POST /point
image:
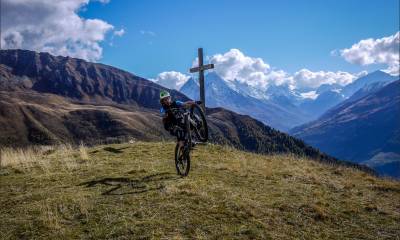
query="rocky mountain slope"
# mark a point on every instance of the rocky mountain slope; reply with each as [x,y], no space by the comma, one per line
[76,79]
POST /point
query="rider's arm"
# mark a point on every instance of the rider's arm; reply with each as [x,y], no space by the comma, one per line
[164,115]
[186,104]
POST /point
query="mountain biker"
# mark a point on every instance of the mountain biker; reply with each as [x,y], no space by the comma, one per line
[172,120]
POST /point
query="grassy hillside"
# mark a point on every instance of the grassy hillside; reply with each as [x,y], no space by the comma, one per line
[31,118]
[131,191]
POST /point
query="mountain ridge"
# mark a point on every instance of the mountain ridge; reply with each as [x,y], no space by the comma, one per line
[370,125]
[78,79]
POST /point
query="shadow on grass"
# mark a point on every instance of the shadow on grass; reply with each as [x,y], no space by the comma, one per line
[114,150]
[126,185]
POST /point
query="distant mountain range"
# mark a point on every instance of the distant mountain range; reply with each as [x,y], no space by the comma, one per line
[364,128]
[219,93]
[46,99]
[331,95]
[321,117]
[279,106]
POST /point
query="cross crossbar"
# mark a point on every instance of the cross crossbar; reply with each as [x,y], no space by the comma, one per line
[203,68]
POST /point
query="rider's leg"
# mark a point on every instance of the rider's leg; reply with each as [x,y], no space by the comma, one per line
[181,143]
[180,135]
[181,138]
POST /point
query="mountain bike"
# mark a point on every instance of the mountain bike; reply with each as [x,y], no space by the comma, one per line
[195,125]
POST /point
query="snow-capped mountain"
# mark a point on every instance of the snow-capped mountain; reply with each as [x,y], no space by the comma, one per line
[247,90]
[328,96]
[328,87]
[221,93]
[281,106]
[377,76]
[323,101]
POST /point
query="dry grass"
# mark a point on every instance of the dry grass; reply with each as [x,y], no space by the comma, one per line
[25,160]
[83,152]
[46,159]
[131,191]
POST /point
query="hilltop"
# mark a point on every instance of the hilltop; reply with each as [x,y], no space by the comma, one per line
[47,100]
[130,191]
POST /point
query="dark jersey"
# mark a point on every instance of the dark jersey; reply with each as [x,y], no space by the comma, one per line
[174,104]
[169,117]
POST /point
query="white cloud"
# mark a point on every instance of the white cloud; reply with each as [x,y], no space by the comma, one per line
[52,26]
[308,79]
[311,95]
[119,33]
[149,33]
[257,73]
[172,79]
[375,51]
[234,65]
[103,1]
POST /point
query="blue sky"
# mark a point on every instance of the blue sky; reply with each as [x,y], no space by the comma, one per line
[290,35]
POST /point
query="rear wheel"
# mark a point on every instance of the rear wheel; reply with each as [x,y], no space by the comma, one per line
[200,123]
[182,160]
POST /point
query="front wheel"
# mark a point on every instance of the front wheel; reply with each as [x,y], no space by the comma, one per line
[182,160]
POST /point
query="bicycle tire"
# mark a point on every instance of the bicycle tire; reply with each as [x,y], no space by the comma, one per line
[186,155]
[202,137]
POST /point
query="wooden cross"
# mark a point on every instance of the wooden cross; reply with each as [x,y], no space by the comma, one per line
[201,68]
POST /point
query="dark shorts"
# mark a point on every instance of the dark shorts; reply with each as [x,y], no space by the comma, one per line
[178,132]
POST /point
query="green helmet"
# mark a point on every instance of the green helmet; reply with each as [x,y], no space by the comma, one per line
[164,94]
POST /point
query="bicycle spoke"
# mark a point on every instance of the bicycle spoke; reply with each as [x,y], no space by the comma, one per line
[182,162]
